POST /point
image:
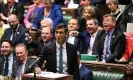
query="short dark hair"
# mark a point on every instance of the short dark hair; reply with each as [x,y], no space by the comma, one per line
[61,26]
[5,40]
[109,15]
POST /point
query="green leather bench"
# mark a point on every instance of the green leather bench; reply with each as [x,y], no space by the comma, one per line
[68,13]
[105,71]
[66,18]
[89,57]
[103,75]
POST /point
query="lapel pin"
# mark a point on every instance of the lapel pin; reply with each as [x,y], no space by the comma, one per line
[113,36]
[17,32]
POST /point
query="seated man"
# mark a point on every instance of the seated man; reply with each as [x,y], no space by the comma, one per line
[45,37]
[16,32]
[84,72]
[7,59]
[22,62]
[88,36]
[73,26]
[111,44]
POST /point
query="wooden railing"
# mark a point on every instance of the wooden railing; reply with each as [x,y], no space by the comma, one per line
[109,67]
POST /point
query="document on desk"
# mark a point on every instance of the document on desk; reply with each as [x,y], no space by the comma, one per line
[49,75]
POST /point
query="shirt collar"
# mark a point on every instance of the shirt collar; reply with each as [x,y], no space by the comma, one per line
[116,12]
[10,56]
[58,45]
[95,34]
[111,32]
[80,65]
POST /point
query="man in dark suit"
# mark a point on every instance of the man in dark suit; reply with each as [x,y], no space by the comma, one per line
[73,26]
[23,63]
[46,37]
[84,72]
[61,56]
[16,32]
[111,43]
[12,8]
[88,36]
[7,58]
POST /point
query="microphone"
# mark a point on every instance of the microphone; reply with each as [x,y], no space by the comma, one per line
[37,60]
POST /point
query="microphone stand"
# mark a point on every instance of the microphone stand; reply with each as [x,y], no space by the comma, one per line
[34,72]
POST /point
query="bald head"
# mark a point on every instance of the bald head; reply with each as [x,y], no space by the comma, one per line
[12,16]
[13,21]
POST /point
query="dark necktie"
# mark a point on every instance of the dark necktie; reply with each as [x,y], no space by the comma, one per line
[61,60]
[6,67]
[13,35]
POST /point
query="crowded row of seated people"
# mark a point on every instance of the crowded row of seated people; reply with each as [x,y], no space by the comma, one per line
[90,34]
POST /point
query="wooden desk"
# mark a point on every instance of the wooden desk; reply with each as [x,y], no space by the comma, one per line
[110,67]
[70,11]
[34,35]
[27,77]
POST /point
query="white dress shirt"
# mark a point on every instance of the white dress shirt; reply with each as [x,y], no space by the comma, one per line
[64,57]
[92,40]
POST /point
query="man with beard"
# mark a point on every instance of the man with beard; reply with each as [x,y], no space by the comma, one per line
[7,58]
[16,32]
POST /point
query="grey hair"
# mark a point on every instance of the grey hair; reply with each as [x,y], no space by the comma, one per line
[21,45]
[116,2]
[49,20]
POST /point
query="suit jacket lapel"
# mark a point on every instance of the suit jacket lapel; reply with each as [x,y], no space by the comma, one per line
[9,35]
[102,41]
[68,55]
[75,41]
[112,40]
[54,56]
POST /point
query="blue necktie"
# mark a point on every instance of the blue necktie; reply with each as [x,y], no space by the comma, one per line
[6,67]
[61,60]
[108,46]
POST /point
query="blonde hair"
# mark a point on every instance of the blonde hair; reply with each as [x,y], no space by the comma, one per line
[90,10]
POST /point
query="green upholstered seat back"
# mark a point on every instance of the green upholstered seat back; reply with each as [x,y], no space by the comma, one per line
[102,75]
[88,57]
[66,18]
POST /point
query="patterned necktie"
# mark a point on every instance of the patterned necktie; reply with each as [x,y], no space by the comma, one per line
[106,46]
[61,60]
[6,67]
